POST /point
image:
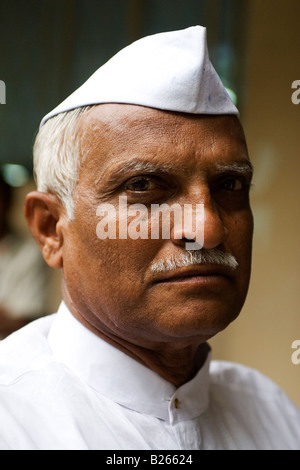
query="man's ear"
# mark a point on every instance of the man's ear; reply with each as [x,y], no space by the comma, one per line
[45,217]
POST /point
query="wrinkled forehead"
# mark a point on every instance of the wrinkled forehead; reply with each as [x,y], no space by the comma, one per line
[115,131]
[117,119]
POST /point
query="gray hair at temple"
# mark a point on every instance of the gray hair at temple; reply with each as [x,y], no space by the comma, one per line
[57,157]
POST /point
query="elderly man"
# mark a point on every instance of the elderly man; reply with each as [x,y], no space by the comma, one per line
[125,363]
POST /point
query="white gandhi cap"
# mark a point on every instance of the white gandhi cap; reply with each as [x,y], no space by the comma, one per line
[169,71]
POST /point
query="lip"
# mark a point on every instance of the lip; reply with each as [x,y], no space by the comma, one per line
[204,274]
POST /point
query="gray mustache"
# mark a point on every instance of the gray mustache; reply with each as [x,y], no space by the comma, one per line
[190,258]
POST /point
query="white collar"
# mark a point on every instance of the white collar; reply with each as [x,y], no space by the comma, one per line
[116,375]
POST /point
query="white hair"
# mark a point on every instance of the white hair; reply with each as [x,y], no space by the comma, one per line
[57,157]
[189,258]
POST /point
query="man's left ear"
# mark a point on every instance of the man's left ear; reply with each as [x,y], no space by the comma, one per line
[45,217]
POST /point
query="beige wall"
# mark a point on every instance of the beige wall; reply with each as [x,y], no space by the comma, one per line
[263,334]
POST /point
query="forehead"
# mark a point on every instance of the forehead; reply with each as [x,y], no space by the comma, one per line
[114,133]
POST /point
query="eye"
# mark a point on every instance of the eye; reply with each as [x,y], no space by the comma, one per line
[140,184]
[148,189]
[232,184]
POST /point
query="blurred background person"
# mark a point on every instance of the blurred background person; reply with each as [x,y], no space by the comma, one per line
[23,273]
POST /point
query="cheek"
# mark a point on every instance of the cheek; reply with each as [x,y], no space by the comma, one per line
[107,269]
[242,248]
[246,236]
[239,242]
[240,231]
[109,288]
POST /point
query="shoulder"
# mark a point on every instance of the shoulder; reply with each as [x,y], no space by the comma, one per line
[25,350]
[249,389]
[244,380]
[233,376]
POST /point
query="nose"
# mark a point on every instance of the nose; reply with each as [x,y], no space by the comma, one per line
[215,231]
[208,221]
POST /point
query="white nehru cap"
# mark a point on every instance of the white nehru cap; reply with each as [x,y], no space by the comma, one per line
[169,71]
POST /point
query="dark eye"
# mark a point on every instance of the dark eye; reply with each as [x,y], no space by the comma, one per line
[232,184]
[140,184]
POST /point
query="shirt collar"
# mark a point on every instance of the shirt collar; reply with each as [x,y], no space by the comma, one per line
[122,379]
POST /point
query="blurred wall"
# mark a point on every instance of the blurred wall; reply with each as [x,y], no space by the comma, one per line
[270,321]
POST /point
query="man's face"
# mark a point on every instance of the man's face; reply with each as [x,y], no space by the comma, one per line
[156,157]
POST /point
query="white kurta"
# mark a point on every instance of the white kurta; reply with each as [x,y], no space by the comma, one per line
[62,387]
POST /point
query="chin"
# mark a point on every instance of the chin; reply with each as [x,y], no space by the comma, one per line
[202,322]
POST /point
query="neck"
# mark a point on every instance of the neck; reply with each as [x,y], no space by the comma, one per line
[177,362]
[177,366]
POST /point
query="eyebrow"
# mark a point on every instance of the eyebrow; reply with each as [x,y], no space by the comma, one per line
[138,165]
[236,167]
[135,166]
